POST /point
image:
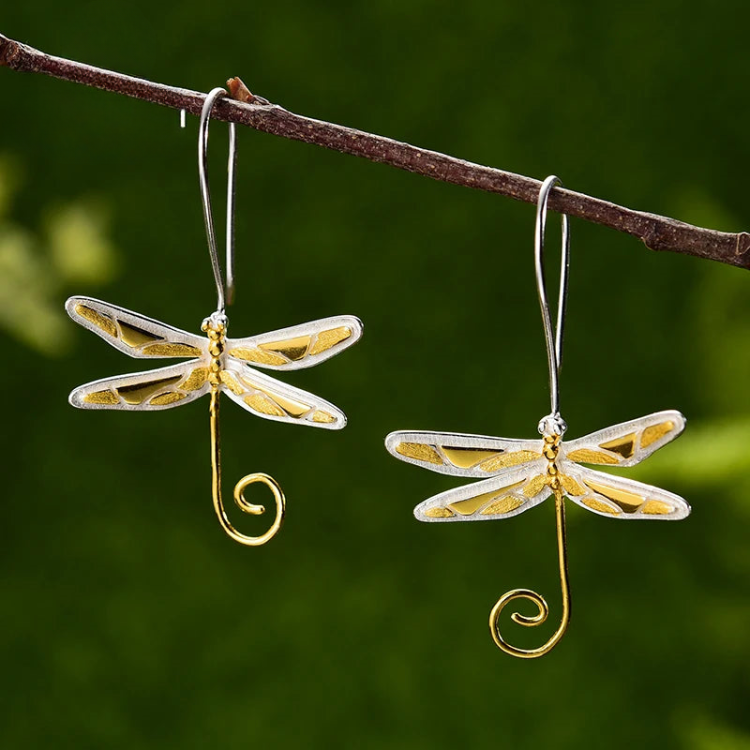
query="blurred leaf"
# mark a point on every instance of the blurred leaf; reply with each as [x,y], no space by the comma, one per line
[704,455]
[31,315]
[32,274]
[702,733]
[79,246]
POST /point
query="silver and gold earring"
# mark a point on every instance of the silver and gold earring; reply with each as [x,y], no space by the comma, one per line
[519,474]
[215,363]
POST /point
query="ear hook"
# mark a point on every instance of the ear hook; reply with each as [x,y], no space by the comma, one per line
[553,339]
[552,428]
[225,292]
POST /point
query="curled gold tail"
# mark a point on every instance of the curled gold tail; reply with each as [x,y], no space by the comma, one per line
[541,604]
[239,497]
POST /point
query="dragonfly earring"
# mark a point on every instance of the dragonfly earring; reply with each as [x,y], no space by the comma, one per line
[519,474]
[215,363]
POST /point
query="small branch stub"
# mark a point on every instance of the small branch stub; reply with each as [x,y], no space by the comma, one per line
[241,93]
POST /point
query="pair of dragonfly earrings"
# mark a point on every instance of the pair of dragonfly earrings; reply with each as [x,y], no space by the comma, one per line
[514,475]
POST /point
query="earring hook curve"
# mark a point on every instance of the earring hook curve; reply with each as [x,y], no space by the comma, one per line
[553,337]
[224,289]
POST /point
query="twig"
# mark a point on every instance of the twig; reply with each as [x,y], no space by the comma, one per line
[656,232]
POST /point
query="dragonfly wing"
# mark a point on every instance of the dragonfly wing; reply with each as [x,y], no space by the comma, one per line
[461,455]
[266,397]
[134,334]
[299,346]
[618,497]
[163,388]
[628,443]
[511,492]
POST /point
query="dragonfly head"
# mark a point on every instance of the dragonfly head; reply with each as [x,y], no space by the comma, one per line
[216,323]
[553,425]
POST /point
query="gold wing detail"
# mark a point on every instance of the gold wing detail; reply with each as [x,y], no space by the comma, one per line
[462,455]
[145,391]
[131,333]
[300,346]
[628,443]
[618,497]
[503,496]
[268,398]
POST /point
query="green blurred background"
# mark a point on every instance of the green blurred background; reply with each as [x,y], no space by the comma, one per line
[130,620]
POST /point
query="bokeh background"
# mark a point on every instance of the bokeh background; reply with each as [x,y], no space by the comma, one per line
[130,620]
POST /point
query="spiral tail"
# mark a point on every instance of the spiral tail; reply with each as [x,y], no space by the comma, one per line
[239,489]
[541,604]
[255,510]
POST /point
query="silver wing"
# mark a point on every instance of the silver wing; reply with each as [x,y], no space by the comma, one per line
[618,497]
[297,347]
[461,455]
[507,494]
[134,334]
[628,443]
[154,390]
[266,397]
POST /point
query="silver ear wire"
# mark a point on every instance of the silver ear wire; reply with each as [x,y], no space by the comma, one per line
[553,338]
[224,290]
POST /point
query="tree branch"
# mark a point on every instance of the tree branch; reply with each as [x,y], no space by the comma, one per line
[656,232]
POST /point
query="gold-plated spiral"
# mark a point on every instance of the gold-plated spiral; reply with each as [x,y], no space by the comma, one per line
[532,596]
[239,497]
